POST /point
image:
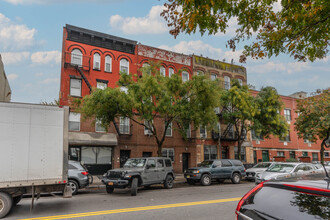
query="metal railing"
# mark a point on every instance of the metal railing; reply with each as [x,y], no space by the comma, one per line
[77,60]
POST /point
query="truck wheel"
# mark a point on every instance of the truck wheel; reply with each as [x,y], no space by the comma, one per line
[17,199]
[134,186]
[109,189]
[236,178]
[6,202]
[206,180]
[74,186]
[168,184]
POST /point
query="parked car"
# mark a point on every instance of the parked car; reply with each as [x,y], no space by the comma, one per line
[259,167]
[137,172]
[77,176]
[219,170]
[285,170]
[300,197]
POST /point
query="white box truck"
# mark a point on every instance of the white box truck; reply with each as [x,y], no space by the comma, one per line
[33,151]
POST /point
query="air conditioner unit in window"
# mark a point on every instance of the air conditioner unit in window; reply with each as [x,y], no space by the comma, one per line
[147,132]
[285,143]
[203,135]
[257,142]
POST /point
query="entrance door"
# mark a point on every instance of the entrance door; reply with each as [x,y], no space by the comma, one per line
[185,161]
[265,156]
[124,155]
[225,152]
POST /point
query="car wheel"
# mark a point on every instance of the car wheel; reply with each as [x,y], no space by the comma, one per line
[236,178]
[206,180]
[6,202]
[134,186]
[168,184]
[17,199]
[74,186]
[109,189]
[220,180]
[191,182]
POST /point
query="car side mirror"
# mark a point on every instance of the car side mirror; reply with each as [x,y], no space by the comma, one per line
[214,166]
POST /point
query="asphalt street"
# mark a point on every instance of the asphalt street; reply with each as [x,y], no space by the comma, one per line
[217,201]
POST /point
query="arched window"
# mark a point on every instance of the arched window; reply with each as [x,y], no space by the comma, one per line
[146,66]
[108,61]
[124,66]
[240,82]
[185,76]
[162,71]
[96,61]
[227,82]
[76,57]
[170,72]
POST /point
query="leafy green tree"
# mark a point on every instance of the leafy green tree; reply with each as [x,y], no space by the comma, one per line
[246,112]
[313,122]
[153,99]
[299,28]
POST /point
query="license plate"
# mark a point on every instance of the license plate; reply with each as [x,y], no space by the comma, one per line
[188,176]
[110,183]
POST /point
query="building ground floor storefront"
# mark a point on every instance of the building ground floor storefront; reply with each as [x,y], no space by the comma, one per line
[280,154]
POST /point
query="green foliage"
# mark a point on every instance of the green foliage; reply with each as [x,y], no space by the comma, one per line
[299,28]
[153,98]
[313,122]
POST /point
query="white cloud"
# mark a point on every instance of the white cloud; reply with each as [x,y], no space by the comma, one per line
[14,57]
[288,68]
[15,36]
[150,24]
[45,57]
[50,81]
[231,29]
[12,77]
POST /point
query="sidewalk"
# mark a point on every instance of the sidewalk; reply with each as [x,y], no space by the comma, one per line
[179,179]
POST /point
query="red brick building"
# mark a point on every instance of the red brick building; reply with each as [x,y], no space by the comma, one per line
[291,146]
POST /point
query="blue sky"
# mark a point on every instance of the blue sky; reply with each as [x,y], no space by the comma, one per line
[31,43]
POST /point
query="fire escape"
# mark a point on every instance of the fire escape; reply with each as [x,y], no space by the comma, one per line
[82,64]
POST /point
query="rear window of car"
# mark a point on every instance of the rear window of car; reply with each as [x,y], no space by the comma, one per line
[225,163]
[236,162]
[286,204]
[168,163]
[71,167]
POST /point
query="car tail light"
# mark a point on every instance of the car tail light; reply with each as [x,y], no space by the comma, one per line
[247,195]
[84,173]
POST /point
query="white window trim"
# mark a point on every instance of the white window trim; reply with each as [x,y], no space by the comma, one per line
[167,152]
[122,122]
[146,130]
[169,127]
[170,72]
[96,60]
[227,82]
[122,64]
[185,73]
[74,117]
[75,54]
[213,78]
[72,79]
[98,125]
[202,135]
[285,115]
[98,85]
[162,71]
[108,62]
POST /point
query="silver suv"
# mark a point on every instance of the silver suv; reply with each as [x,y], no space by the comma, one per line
[137,172]
[77,176]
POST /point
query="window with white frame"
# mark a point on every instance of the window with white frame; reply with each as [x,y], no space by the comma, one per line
[202,131]
[108,62]
[76,57]
[124,89]
[187,128]
[170,72]
[98,126]
[213,77]
[168,152]
[240,82]
[286,138]
[200,73]
[227,82]
[326,154]
[74,121]
[210,152]
[147,68]
[287,114]
[147,127]
[243,153]
[96,61]
[101,85]
[124,126]
[185,76]
[280,153]
[75,87]
[169,130]
[124,66]
[162,71]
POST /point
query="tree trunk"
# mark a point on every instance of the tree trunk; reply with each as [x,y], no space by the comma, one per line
[322,151]
[159,151]
[239,144]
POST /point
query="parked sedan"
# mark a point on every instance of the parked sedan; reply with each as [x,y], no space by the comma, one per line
[278,170]
[258,168]
[77,176]
[300,197]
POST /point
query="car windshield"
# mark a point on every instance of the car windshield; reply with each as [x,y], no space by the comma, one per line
[281,168]
[135,162]
[262,165]
[207,163]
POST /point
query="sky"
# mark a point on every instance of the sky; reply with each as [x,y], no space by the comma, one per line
[31,43]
